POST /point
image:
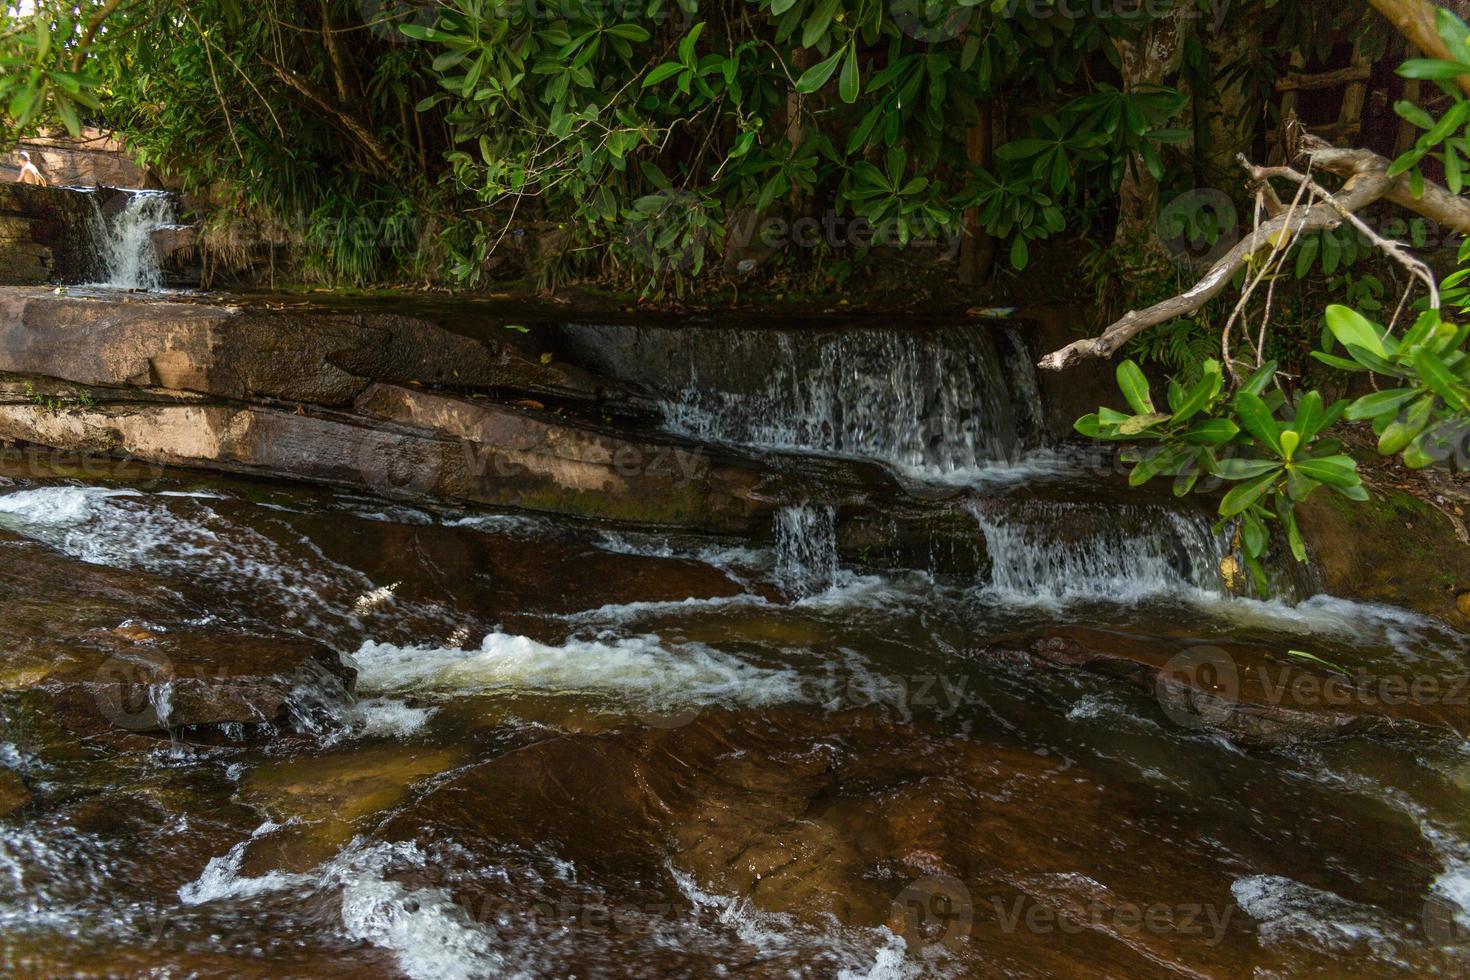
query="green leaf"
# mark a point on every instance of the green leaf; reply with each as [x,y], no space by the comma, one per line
[1374,405]
[1432,68]
[1439,378]
[1414,114]
[1246,494]
[1290,440]
[816,76]
[1260,378]
[1141,423]
[1335,471]
[1135,388]
[849,83]
[663,71]
[1200,394]
[1401,431]
[1352,329]
[1256,418]
[1245,469]
[1341,363]
[1020,254]
[1210,432]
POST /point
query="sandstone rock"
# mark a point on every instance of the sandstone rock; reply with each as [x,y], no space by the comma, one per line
[44,236]
[71,632]
[856,818]
[1252,694]
[302,355]
[1361,551]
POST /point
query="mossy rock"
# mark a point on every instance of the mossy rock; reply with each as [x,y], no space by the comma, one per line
[1394,548]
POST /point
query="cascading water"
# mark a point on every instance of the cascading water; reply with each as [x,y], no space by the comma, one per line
[1053,550]
[806,548]
[123,243]
[938,405]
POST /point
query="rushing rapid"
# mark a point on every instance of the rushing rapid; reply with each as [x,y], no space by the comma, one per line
[304,732]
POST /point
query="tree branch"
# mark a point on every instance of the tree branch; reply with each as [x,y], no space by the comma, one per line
[358,129]
[1414,19]
[1436,203]
[1360,191]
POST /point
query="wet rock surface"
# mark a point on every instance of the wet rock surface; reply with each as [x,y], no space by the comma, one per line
[295,355]
[108,649]
[1255,695]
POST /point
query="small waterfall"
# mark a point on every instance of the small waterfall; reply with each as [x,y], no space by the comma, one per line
[123,242]
[1056,550]
[806,548]
[936,404]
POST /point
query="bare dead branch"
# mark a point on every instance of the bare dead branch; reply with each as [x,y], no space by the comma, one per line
[1436,203]
[1360,191]
[1388,246]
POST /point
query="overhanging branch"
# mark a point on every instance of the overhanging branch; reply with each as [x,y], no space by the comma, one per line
[1360,191]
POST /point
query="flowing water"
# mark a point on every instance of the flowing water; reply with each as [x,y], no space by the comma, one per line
[122,238]
[585,751]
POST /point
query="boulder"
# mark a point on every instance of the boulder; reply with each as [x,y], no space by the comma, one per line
[1359,549]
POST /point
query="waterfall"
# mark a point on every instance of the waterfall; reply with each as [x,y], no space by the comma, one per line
[1097,549]
[934,404]
[123,243]
[806,548]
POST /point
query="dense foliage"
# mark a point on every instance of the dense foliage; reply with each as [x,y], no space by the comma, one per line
[656,132]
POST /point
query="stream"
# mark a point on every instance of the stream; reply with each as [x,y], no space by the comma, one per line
[578,749]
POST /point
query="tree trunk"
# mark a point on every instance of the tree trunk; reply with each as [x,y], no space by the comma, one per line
[1152,57]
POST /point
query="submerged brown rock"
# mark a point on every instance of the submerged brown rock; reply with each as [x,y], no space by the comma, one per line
[1253,694]
[110,649]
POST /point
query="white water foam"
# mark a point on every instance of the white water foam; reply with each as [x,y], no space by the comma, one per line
[865,954]
[124,244]
[390,717]
[1288,911]
[430,936]
[221,877]
[128,529]
[641,670]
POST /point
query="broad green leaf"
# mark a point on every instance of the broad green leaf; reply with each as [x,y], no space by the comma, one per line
[1135,388]
[1210,432]
[1401,431]
[1245,469]
[1246,494]
[1439,378]
[849,83]
[1432,68]
[1256,418]
[1374,405]
[1335,471]
[1351,329]
[1142,423]
[816,76]
[1290,439]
